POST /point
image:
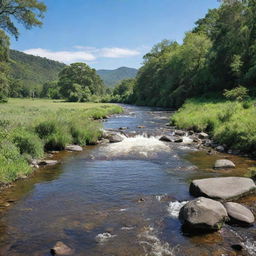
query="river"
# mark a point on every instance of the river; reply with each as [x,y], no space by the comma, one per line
[118,199]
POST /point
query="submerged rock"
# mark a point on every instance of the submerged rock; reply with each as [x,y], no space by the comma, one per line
[178,140]
[74,148]
[61,249]
[203,214]
[223,188]
[224,163]
[239,213]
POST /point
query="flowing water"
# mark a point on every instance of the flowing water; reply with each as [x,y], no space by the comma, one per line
[118,199]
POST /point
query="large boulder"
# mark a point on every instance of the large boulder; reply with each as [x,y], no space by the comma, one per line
[239,213]
[74,148]
[223,188]
[114,138]
[203,214]
[223,164]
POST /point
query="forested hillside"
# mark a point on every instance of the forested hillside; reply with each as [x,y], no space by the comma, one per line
[218,54]
[33,71]
[112,77]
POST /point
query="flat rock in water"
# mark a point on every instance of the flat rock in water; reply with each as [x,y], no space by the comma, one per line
[114,138]
[239,213]
[203,214]
[223,188]
[61,249]
[74,148]
[47,162]
[224,163]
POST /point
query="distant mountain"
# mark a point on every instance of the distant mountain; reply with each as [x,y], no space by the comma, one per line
[33,71]
[112,77]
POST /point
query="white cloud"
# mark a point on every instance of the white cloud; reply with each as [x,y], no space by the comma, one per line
[62,56]
[83,53]
[118,52]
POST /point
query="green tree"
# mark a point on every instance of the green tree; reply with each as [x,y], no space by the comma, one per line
[27,12]
[78,80]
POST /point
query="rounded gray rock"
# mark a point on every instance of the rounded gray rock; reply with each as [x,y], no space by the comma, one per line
[224,163]
[204,214]
[239,213]
[75,148]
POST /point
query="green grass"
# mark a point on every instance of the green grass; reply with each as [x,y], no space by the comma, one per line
[30,127]
[230,123]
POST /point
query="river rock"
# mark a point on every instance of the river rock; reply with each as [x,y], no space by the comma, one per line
[114,138]
[74,148]
[239,213]
[47,162]
[61,249]
[220,149]
[203,135]
[223,188]
[204,214]
[224,163]
[178,140]
[166,138]
[123,128]
[179,133]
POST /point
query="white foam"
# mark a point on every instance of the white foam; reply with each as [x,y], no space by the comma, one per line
[139,144]
[187,140]
[103,237]
[174,208]
[250,247]
[160,197]
[152,244]
[123,210]
[127,228]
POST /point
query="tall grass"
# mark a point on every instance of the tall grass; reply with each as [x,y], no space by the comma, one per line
[230,123]
[30,127]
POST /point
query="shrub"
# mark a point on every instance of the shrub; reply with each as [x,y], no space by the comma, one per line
[13,165]
[28,143]
[57,141]
[239,93]
[46,128]
[247,104]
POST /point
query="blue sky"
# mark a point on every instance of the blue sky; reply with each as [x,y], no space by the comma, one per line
[107,34]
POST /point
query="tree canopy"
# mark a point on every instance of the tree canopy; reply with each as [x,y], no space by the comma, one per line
[78,81]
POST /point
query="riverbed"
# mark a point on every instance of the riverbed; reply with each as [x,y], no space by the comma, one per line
[119,199]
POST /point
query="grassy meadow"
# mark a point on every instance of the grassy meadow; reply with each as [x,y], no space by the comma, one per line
[29,127]
[231,123]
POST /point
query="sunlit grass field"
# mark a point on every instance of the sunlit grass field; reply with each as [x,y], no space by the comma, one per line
[29,127]
[229,123]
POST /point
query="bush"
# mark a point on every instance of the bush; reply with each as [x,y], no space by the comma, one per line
[58,141]
[13,165]
[46,129]
[28,143]
[239,93]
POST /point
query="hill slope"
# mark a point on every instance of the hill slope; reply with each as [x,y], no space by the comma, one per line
[33,71]
[112,77]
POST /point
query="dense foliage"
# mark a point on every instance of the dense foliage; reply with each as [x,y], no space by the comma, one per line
[29,13]
[29,74]
[219,54]
[78,82]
